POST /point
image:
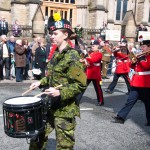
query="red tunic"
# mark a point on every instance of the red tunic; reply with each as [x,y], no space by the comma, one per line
[122,65]
[93,70]
[141,77]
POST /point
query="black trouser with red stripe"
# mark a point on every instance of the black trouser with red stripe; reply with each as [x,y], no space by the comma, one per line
[97,88]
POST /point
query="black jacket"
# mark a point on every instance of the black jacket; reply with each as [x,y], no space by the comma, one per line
[40,58]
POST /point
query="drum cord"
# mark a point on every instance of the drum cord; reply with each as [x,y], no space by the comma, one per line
[34,137]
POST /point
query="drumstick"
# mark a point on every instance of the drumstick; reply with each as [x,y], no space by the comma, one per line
[39,94]
[27,91]
[45,92]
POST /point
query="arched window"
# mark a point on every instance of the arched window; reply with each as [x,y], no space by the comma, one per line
[121,9]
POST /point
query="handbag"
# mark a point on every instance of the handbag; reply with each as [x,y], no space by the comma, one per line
[36,71]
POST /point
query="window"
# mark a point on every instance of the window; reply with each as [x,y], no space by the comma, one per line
[56,0]
[61,1]
[61,13]
[121,9]
[65,15]
[67,1]
[51,13]
[72,1]
[46,11]
[124,8]
[71,11]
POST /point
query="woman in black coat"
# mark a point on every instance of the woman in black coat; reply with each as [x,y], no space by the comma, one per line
[40,60]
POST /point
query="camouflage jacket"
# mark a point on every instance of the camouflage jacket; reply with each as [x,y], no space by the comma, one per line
[65,69]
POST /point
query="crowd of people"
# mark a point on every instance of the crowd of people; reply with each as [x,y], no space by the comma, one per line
[69,62]
[15,27]
[19,56]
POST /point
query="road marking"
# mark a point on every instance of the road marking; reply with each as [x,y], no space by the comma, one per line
[86,108]
[1,115]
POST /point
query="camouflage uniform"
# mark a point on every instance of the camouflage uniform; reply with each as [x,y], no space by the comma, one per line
[64,69]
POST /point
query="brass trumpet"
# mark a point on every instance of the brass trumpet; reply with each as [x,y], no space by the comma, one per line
[116,49]
[134,58]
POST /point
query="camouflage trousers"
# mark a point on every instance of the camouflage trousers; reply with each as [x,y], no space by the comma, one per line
[64,128]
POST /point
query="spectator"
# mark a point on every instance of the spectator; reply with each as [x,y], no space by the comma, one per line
[36,44]
[20,60]
[40,60]
[140,28]
[103,31]
[25,44]
[79,30]
[6,56]
[16,29]
[11,44]
[3,26]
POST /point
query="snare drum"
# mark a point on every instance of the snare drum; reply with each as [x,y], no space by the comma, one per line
[23,116]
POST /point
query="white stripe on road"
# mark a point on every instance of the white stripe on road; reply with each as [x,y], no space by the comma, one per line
[86,108]
[1,115]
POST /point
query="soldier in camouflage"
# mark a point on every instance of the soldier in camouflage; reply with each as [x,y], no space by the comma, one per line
[63,69]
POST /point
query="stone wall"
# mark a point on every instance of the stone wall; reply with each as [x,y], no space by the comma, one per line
[139,14]
[20,13]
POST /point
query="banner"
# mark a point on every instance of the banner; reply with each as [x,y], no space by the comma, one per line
[145,34]
[113,35]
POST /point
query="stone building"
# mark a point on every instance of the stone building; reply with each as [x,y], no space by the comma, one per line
[123,15]
[22,10]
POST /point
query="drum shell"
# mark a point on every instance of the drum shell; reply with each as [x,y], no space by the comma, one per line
[23,121]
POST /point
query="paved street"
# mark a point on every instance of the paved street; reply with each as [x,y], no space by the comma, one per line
[94,130]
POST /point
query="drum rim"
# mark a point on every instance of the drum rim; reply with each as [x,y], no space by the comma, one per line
[23,134]
[21,105]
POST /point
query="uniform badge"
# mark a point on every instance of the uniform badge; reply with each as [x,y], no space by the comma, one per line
[59,24]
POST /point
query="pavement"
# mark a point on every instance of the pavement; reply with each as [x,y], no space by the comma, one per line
[94,130]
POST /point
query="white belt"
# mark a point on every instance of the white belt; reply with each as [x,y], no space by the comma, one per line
[122,61]
[96,64]
[107,55]
[142,73]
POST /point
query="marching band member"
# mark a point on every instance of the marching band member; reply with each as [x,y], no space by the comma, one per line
[93,71]
[140,85]
[64,69]
[106,56]
[122,67]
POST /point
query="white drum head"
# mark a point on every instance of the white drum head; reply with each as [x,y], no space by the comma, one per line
[22,100]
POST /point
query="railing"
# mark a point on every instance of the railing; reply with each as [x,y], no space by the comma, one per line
[87,33]
[26,31]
